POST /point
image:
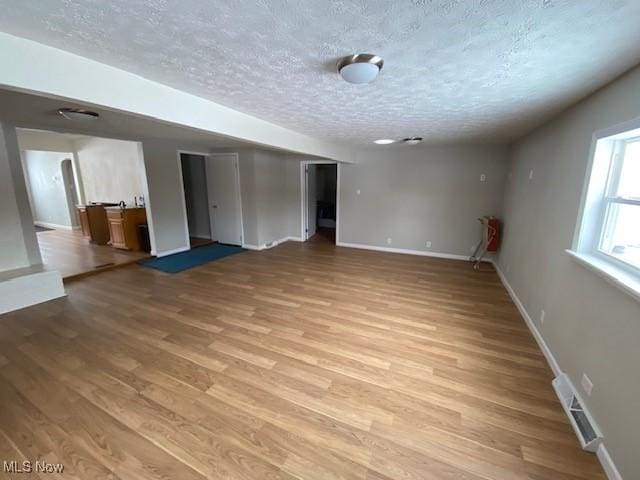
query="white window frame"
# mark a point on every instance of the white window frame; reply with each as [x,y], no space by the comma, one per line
[602,178]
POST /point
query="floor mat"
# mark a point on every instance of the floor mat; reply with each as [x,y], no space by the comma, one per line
[192,258]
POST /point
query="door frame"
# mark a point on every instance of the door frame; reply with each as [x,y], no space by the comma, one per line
[304,196]
[184,200]
[236,161]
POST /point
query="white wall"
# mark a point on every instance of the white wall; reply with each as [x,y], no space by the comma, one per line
[111,170]
[418,194]
[590,326]
[43,172]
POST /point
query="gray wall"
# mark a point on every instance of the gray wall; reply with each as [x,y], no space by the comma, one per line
[194,177]
[43,173]
[590,326]
[418,194]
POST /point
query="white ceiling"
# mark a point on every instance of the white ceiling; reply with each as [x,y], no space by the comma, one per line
[454,70]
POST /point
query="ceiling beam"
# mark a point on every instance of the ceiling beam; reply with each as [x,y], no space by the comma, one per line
[40,69]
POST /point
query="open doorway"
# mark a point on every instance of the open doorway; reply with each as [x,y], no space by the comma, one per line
[319,201]
[213,206]
[196,198]
[87,200]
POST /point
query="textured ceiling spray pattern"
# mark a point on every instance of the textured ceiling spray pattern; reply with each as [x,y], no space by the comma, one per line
[454,70]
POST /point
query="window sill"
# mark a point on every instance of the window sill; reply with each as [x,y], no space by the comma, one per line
[617,277]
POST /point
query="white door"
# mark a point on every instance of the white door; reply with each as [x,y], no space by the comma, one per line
[312,200]
[225,210]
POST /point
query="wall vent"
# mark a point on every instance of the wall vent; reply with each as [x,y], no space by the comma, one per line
[581,420]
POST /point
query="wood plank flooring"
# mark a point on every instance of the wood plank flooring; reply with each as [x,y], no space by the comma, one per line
[305,361]
[68,252]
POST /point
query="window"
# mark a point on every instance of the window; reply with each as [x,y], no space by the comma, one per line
[608,231]
[620,238]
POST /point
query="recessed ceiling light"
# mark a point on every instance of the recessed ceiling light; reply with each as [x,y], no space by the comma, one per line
[412,140]
[360,68]
[78,114]
[384,141]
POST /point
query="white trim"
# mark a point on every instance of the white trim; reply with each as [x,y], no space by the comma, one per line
[275,243]
[421,253]
[171,252]
[607,270]
[609,467]
[553,363]
[55,226]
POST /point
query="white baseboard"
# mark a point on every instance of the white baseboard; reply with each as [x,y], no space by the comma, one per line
[55,226]
[275,243]
[609,467]
[28,289]
[421,253]
[603,455]
[171,252]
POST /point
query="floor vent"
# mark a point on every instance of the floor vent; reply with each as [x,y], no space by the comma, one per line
[586,429]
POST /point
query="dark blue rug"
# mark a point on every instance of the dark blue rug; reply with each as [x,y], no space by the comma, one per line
[192,258]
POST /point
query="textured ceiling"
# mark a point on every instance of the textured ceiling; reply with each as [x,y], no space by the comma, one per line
[454,70]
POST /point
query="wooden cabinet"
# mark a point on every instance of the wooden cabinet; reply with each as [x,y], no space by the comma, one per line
[123,226]
[84,222]
[93,221]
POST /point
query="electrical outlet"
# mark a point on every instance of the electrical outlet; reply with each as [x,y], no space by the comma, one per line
[389,241]
[429,244]
[542,317]
[530,174]
[483,177]
[358,192]
[587,384]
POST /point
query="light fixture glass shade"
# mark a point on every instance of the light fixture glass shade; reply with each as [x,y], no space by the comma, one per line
[78,114]
[384,141]
[360,72]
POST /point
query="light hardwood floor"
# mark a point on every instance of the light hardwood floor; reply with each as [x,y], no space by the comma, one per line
[68,252]
[305,361]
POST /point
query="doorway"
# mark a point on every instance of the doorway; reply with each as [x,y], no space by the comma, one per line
[196,198]
[69,184]
[320,182]
[213,206]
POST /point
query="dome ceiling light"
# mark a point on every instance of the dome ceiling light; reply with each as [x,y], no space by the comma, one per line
[360,68]
[412,140]
[78,114]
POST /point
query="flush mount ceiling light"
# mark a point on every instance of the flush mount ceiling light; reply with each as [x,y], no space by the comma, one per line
[360,68]
[412,140]
[78,114]
[384,141]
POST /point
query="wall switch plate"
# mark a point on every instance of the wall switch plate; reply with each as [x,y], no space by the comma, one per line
[587,384]
[542,314]
[389,241]
[483,177]
[358,192]
[429,244]
[530,174]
